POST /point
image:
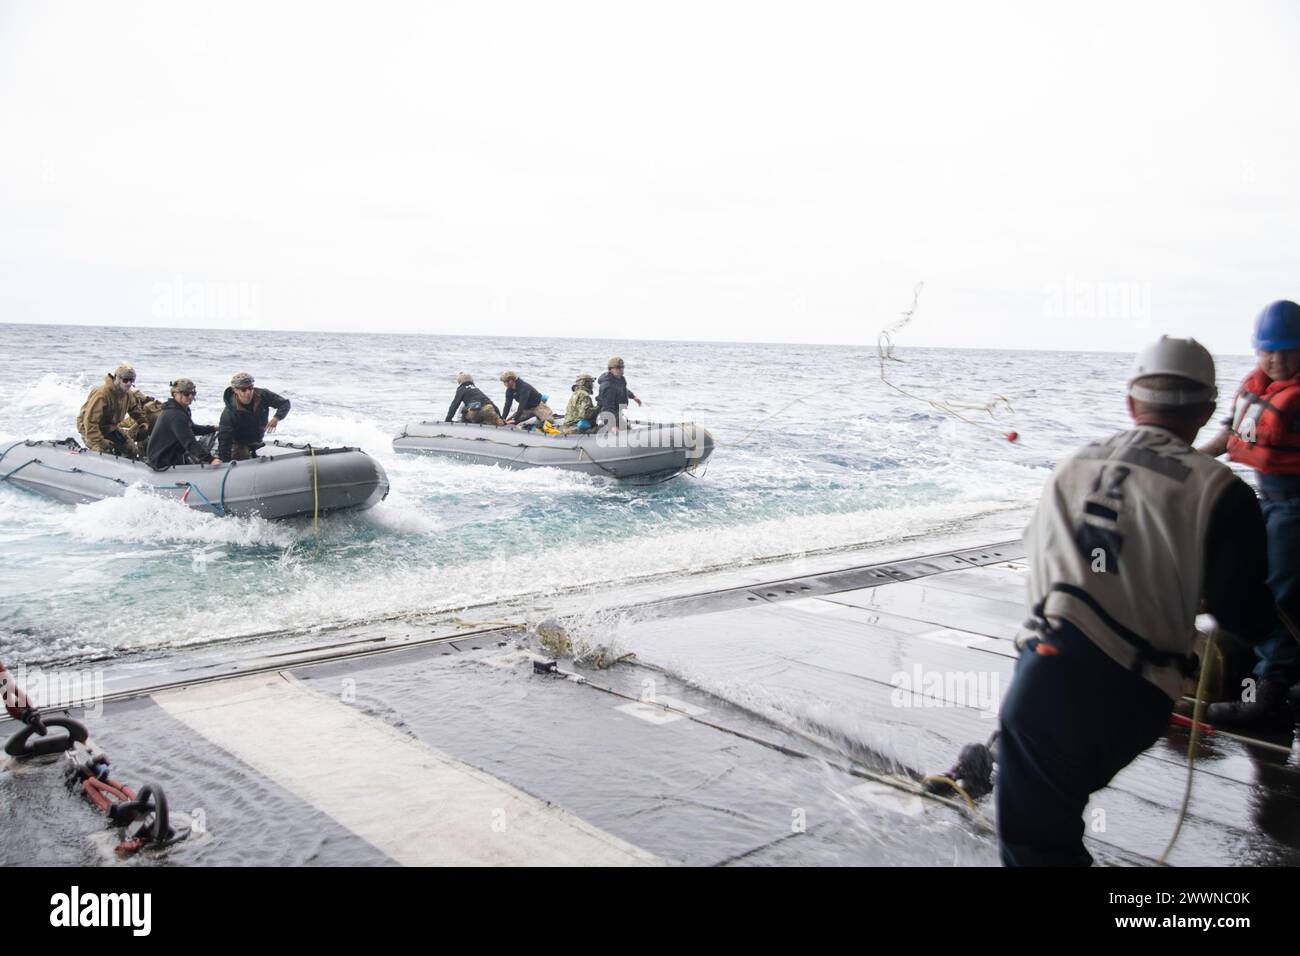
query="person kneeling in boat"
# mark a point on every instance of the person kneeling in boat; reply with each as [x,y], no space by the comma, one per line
[532,403]
[115,417]
[1130,535]
[244,419]
[580,414]
[1264,432]
[479,409]
[174,440]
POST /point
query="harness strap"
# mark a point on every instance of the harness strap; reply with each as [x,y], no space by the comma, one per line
[1146,652]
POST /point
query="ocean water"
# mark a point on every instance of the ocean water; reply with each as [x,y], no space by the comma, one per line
[814,452]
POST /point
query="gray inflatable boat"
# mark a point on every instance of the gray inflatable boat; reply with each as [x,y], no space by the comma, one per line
[641,450]
[284,480]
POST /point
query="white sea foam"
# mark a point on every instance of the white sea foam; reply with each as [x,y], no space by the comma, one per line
[144,517]
[314,596]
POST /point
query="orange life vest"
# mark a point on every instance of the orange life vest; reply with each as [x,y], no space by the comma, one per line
[1266,424]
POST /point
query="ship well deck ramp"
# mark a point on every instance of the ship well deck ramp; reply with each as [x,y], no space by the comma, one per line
[435,742]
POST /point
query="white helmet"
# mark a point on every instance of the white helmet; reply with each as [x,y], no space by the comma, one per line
[1185,358]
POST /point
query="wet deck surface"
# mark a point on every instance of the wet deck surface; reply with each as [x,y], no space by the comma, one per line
[735,736]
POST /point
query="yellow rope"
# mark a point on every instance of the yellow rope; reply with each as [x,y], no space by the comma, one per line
[1191,743]
[941,778]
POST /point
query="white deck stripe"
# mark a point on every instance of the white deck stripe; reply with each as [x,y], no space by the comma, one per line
[416,804]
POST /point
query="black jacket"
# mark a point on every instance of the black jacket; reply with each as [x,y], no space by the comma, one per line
[1236,566]
[523,393]
[172,438]
[614,393]
[468,394]
[246,424]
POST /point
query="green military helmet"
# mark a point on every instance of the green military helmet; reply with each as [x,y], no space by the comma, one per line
[124,373]
[241,380]
[184,386]
[584,379]
[614,362]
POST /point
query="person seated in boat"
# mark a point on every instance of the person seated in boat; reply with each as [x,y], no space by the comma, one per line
[532,403]
[1131,534]
[174,439]
[115,418]
[580,414]
[479,409]
[246,418]
[141,418]
[614,392]
[1263,432]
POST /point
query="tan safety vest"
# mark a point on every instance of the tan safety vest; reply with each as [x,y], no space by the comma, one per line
[1117,548]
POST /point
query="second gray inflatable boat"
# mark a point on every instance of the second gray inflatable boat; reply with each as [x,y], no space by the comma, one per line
[640,450]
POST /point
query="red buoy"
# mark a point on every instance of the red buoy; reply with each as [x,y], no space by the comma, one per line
[1012,436]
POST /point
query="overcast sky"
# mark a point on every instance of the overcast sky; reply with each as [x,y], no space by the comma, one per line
[1081,176]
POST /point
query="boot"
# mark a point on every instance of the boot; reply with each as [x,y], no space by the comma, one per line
[1269,710]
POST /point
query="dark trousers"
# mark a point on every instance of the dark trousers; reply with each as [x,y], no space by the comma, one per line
[1279,655]
[1069,723]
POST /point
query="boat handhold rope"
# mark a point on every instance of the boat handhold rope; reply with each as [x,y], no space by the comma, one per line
[66,471]
[191,486]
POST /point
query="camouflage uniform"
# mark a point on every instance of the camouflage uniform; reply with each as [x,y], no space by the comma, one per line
[143,411]
[111,419]
[581,406]
[483,415]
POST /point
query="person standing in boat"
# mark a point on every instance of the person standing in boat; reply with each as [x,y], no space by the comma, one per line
[1130,535]
[479,409]
[174,441]
[1264,433]
[614,392]
[532,403]
[115,416]
[580,414]
[244,419]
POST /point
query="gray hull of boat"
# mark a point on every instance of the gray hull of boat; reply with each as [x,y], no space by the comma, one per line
[283,481]
[638,451]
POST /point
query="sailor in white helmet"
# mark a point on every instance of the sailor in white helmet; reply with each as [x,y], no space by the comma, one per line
[1131,534]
